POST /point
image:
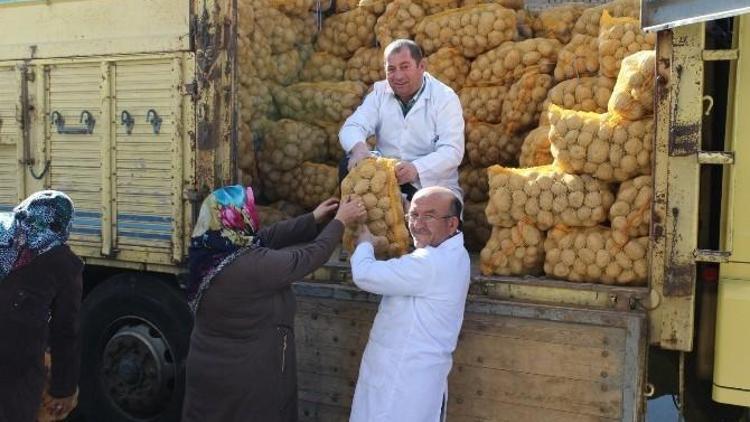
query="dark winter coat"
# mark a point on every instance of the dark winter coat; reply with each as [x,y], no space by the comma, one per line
[242,364]
[39,306]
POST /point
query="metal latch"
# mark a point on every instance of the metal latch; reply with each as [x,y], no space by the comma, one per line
[127,120]
[86,118]
[153,117]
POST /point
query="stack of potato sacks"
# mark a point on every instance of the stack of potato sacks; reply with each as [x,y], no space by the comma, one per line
[585,216]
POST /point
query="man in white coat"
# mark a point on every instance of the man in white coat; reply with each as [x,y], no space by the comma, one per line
[415,118]
[404,372]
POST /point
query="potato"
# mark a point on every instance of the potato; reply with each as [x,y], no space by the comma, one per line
[601,145]
[488,144]
[449,66]
[618,38]
[630,214]
[288,143]
[523,104]
[315,102]
[483,103]
[580,57]
[293,7]
[505,64]
[374,180]
[588,22]
[476,229]
[473,181]
[322,66]
[366,66]
[314,183]
[633,94]
[581,94]
[345,33]
[399,21]
[545,197]
[591,255]
[535,150]
[472,30]
[510,4]
[558,22]
[517,250]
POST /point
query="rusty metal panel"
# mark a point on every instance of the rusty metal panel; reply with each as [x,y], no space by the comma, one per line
[663,14]
[676,177]
[9,137]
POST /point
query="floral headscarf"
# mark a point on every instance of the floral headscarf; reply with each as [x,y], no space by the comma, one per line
[225,229]
[38,224]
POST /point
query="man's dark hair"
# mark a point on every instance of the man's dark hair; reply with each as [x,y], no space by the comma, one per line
[456,207]
[397,45]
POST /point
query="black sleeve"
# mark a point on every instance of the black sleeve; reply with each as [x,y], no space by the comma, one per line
[64,340]
[289,232]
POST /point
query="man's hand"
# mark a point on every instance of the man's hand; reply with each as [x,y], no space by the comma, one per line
[406,172]
[325,210]
[357,154]
[364,235]
[59,408]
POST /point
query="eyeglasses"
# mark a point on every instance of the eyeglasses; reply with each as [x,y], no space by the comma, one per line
[426,219]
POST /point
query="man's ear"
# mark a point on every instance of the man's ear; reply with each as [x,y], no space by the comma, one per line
[422,65]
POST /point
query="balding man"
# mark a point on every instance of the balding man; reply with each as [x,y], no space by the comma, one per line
[405,366]
[415,118]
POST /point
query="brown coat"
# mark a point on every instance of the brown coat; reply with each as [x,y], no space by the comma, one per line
[242,364]
[39,306]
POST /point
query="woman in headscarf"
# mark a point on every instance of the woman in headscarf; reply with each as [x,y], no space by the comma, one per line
[242,364]
[40,295]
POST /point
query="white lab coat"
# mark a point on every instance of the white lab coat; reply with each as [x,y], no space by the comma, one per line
[405,366]
[431,136]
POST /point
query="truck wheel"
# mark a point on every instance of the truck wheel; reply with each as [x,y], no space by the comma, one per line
[135,337]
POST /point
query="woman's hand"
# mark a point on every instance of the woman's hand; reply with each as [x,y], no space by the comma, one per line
[364,235]
[325,210]
[351,211]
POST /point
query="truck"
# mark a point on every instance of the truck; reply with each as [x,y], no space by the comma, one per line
[131,109]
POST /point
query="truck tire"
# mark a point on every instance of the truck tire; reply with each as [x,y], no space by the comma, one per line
[135,338]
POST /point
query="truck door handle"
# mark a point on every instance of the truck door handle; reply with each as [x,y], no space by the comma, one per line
[86,118]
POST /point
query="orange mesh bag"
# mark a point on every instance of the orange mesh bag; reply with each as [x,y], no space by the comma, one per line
[510,4]
[581,94]
[591,255]
[630,214]
[322,66]
[374,181]
[293,7]
[476,229]
[602,145]
[523,104]
[473,181]
[472,30]
[375,6]
[345,33]
[535,150]
[633,94]
[558,22]
[488,144]
[449,66]
[365,66]
[588,22]
[289,143]
[315,102]
[545,197]
[618,38]
[270,215]
[506,64]
[399,21]
[517,250]
[580,57]
[483,103]
[314,183]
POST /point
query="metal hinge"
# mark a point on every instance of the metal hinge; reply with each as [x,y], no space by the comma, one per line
[708,255]
[190,89]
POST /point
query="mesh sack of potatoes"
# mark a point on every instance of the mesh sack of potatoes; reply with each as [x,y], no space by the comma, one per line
[505,64]
[483,103]
[488,144]
[399,21]
[618,38]
[255,99]
[449,66]
[525,24]
[591,255]
[578,58]
[472,30]
[510,4]
[278,29]
[375,6]
[535,150]
[590,93]
[305,26]
[314,184]
[287,67]
[546,196]
[245,16]
[475,228]
[254,56]
[432,7]
[293,7]
[523,104]
[316,102]
[277,184]
[473,181]
[602,145]
[374,181]
[630,215]
[517,250]
[558,22]
[270,215]
[322,66]
[335,151]
[633,94]
[344,33]
[588,22]
[289,143]
[366,66]
[346,5]
[246,154]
